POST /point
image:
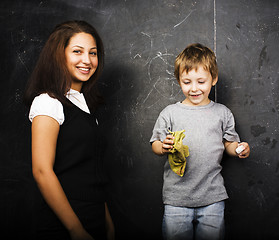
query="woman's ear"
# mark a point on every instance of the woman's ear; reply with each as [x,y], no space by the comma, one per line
[215,80]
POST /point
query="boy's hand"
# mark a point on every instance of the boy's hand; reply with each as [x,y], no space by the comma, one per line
[246,151]
[167,144]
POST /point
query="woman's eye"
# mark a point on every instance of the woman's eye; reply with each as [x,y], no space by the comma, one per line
[93,53]
[77,51]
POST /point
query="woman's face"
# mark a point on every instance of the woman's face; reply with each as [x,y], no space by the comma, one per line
[81,58]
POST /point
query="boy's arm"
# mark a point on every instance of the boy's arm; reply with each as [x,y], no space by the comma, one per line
[232,146]
[161,148]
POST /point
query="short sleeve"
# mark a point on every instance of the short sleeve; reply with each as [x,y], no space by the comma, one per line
[47,106]
[160,129]
[229,129]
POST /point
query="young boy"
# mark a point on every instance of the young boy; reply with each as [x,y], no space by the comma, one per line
[194,202]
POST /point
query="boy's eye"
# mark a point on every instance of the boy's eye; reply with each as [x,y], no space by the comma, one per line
[201,82]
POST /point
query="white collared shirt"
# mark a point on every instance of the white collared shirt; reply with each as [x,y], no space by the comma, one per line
[78,99]
[48,106]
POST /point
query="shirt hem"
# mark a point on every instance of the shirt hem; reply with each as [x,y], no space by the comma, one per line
[194,202]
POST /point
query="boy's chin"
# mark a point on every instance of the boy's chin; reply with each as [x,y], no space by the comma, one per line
[196,102]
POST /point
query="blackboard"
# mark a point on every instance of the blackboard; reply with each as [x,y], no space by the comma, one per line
[142,39]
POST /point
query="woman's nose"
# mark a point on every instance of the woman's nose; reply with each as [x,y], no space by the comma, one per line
[86,58]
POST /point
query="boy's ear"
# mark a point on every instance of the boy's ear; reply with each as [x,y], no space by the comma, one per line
[215,80]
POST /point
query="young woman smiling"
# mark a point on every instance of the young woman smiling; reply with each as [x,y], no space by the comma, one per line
[66,146]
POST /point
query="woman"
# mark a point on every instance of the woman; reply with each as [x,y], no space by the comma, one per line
[66,146]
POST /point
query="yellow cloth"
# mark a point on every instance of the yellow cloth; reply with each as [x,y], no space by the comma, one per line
[178,154]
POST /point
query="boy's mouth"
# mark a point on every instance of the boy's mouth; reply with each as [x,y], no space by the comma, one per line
[195,95]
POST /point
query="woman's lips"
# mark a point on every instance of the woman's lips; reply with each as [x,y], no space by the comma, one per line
[83,70]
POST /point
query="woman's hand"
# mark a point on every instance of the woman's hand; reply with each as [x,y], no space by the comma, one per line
[109,224]
[80,234]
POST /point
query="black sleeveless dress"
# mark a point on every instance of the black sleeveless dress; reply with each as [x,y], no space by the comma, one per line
[79,168]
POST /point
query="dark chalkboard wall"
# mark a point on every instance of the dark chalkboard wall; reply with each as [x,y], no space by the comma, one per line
[141,39]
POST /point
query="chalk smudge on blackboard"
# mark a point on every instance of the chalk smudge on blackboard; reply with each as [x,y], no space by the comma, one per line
[257,130]
[183,19]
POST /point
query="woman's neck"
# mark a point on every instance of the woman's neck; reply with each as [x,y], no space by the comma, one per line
[76,86]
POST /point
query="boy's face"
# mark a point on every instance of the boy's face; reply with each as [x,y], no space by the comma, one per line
[196,86]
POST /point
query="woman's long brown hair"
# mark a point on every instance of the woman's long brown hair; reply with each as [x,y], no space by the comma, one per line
[51,75]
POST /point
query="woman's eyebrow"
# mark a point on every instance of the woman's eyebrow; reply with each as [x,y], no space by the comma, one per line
[83,47]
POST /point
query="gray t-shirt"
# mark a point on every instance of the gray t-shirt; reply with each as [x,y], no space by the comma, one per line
[205,127]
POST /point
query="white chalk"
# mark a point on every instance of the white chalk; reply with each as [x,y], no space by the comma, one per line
[239,149]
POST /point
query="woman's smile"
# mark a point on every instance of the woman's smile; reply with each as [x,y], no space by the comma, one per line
[84,70]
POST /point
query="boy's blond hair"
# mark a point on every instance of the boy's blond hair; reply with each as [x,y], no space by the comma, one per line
[193,56]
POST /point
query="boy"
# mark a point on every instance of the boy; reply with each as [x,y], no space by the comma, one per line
[194,202]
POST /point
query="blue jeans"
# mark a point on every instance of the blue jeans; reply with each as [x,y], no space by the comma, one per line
[183,223]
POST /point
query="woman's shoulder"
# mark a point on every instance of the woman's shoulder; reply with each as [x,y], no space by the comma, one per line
[45,98]
[44,104]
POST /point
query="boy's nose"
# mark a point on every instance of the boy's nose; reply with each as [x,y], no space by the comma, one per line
[194,87]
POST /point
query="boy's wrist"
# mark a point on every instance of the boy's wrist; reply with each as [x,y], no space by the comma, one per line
[157,148]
